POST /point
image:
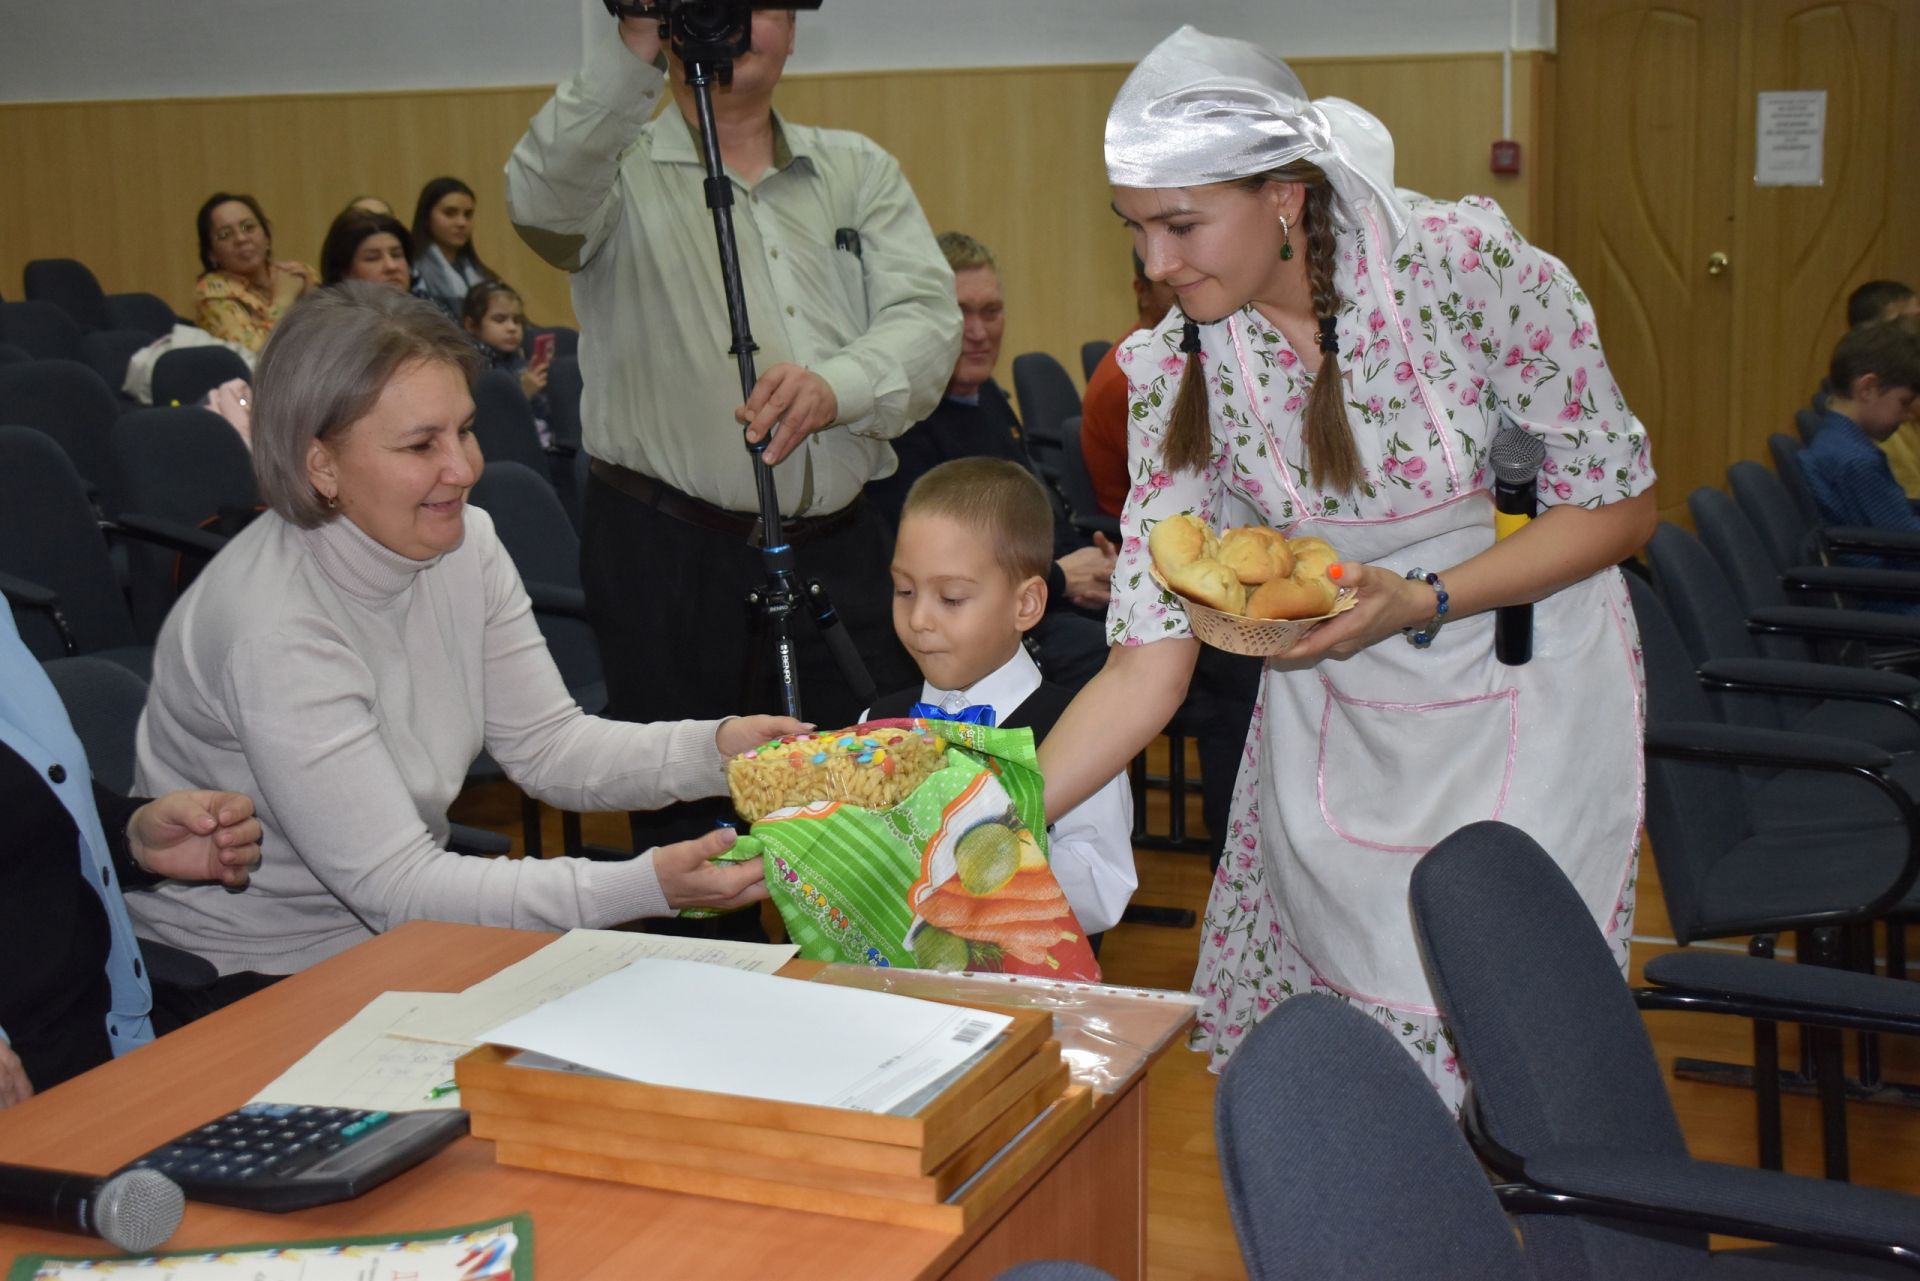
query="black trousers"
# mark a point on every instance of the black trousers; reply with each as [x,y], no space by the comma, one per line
[667,601]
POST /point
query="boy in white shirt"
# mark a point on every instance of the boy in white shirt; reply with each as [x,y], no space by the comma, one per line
[969,579]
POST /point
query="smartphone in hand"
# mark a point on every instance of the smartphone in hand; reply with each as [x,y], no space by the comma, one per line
[542,349]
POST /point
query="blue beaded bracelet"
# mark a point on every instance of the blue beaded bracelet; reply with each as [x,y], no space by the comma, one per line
[1424,636]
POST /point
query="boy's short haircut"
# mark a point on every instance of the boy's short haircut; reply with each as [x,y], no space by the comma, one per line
[964,252]
[1871,300]
[996,498]
[1889,349]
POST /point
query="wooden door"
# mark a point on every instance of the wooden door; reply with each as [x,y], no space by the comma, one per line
[1644,195]
[1656,118]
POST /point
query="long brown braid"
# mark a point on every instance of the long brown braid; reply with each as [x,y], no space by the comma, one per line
[1333,458]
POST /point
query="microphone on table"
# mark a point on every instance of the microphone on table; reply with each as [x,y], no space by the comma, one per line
[1516,455]
[133,1210]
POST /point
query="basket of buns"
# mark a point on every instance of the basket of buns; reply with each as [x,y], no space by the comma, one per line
[1249,590]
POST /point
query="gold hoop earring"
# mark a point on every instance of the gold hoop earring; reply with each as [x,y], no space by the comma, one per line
[1286,239]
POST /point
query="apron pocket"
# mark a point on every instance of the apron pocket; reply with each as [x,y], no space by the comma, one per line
[1400,777]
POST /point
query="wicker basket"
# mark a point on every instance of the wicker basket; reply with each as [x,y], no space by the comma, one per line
[1256,637]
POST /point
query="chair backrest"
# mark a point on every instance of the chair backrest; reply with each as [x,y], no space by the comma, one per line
[1709,617]
[145,312]
[1770,505]
[1695,812]
[1546,1030]
[12,355]
[1807,421]
[1047,399]
[535,530]
[182,465]
[1786,464]
[503,422]
[44,330]
[69,285]
[564,386]
[104,701]
[1091,354]
[50,536]
[185,374]
[1327,1131]
[1743,556]
[71,404]
[1076,483]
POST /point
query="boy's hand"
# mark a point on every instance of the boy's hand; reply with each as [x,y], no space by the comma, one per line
[738,733]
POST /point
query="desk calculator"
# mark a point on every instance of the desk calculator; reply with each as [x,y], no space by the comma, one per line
[282,1156]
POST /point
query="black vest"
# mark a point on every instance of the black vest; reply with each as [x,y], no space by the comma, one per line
[1037,712]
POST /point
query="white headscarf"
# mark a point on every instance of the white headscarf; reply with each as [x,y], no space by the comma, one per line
[1201,109]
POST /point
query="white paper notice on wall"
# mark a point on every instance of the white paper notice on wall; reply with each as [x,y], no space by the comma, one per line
[1790,134]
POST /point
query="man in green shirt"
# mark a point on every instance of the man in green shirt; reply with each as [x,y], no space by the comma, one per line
[852,306]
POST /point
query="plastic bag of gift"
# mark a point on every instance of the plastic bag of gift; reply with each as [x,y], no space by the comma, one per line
[910,843]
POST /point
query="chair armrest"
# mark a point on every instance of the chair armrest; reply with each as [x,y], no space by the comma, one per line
[1750,987]
[1775,676]
[1866,538]
[1098,523]
[189,540]
[175,966]
[1713,743]
[1762,1205]
[568,602]
[1838,624]
[462,839]
[22,593]
[1860,580]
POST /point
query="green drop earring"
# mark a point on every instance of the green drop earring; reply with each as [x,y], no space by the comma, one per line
[1286,239]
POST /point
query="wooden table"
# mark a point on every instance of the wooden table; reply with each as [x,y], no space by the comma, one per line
[1088,1202]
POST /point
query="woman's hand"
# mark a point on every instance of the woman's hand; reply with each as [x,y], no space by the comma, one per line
[689,877]
[14,1086]
[197,836]
[1385,604]
[738,733]
[290,280]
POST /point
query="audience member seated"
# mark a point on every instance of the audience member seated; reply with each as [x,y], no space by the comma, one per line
[349,654]
[1890,300]
[970,569]
[975,419]
[1871,385]
[76,994]
[371,204]
[444,259]
[1103,406]
[493,316]
[243,291]
[362,245]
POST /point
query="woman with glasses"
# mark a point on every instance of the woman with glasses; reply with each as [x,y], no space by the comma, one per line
[243,292]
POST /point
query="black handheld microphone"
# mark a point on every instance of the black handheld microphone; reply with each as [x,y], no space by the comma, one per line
[133,1210]
[1516,455]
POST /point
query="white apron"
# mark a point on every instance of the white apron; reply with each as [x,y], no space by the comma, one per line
[1367,762]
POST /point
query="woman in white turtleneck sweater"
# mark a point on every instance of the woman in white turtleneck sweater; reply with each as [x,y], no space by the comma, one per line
[345,658]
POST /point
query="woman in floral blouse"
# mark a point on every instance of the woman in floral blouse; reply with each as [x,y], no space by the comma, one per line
[1338,364]
[243,292]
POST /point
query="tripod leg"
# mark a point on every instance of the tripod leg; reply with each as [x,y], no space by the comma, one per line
[840,644]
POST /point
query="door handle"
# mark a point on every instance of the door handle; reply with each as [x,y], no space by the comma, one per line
[1716,263]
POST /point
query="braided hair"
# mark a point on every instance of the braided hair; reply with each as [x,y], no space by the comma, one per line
[1333,458]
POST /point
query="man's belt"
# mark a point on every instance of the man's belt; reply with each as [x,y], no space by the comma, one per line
[745,526]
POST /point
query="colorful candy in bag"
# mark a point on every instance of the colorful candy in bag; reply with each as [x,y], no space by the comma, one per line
[910,843]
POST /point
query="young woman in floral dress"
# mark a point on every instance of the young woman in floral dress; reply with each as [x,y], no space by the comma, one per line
[1338,365]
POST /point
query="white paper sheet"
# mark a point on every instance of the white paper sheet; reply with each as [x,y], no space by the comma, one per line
[361,1064]
[703,1027]
[576,958]
[1790,132]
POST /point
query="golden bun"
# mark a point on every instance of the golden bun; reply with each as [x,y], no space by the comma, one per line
[1311,556]
[1256,554]
[1180,540]
[1292,598]
[1208,581]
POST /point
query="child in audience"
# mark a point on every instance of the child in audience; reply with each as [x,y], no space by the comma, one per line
[969,579]
[446,263]
[1872,381]
[493,316]
[1875,301]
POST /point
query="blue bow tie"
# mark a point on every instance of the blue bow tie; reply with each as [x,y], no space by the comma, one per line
[977,714]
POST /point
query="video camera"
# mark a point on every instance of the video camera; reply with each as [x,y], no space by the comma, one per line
[714,32]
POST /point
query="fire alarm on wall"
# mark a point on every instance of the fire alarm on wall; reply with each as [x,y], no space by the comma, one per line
[1506,156]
